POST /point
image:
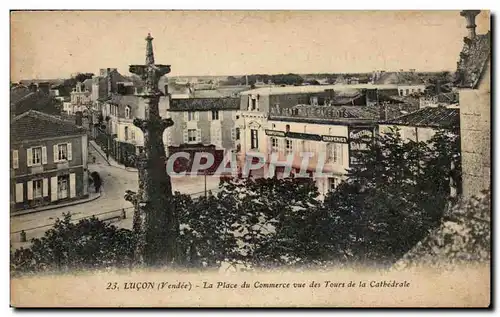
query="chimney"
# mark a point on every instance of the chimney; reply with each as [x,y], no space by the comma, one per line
[110,82]
[470,17]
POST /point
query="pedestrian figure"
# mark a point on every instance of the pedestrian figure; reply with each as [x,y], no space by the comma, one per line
[97,181]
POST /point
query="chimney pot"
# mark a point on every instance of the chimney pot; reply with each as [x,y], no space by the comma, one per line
[470,17]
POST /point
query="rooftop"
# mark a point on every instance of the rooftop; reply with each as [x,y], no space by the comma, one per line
[33,125]
[398,78]
[313,89]
[435,117]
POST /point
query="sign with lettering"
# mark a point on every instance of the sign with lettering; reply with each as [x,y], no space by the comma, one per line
[359,140]
[303,136]
[276,133]
[334,139]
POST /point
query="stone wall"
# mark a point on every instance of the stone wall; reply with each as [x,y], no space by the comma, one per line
[475,109]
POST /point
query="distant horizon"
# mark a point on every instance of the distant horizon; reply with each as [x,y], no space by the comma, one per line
[175,76]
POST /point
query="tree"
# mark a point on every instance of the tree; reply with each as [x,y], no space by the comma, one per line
[397,193]
[88,244]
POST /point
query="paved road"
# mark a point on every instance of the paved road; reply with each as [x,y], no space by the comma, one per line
[115,182]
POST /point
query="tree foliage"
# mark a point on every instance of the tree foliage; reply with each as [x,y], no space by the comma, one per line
[88,244]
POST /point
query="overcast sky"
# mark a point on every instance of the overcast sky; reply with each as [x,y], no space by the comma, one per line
[57,44]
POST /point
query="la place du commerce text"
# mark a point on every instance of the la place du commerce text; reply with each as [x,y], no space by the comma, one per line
[201,161]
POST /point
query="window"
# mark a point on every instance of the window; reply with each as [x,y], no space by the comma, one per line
[314,101]
[37,188]
[126,133]
[237,134]
[287,128]
[289,146]
[36,154]
[274,144]
[254,104]
[62,186]
[334,183]
[190,115]
[191,135]
[335,152]
[62,152]
[215,115]
[132,134]
[407,92]
[254,138]
[127,112]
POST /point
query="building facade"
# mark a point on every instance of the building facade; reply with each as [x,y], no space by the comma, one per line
[335,120]
[48,161]
[204,121]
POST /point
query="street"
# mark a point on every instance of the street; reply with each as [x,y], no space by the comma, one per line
[115,182]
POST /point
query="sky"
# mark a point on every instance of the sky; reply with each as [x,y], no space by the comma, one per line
[56,44]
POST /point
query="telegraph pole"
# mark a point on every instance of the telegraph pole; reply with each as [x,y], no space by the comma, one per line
[158,225]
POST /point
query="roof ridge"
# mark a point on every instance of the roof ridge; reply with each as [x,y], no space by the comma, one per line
[43,116]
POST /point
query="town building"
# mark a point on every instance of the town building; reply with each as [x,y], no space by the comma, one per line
[48,161]
[80,99]
[125,139]
[408,83]
[330,133]
[204,122]
[474,81]
[336,120]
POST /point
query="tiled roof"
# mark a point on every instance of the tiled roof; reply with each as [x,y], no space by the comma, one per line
[473,59]
[38,100]
[33,125]
[436,117]
[204,104]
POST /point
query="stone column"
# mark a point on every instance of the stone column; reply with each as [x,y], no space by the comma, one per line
[158,224]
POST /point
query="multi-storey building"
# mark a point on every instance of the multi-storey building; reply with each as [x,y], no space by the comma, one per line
[48,161]
[328,134]
[344,111]
[81,100]
[127,139]
[204,121]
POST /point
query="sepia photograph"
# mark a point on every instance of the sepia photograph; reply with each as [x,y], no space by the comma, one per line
[178,158]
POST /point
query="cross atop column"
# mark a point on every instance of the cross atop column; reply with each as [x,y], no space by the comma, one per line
[150,72]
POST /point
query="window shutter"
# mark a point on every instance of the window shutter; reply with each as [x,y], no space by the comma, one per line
[233,134]
[72,184]
[340,155]
[44,155]
[185,135]
[56,153]
[53,188]
[29,184]
[19,193]
[70,153]
[45,187]
[15,159]
[197,115]
[198,135]
[29,156]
